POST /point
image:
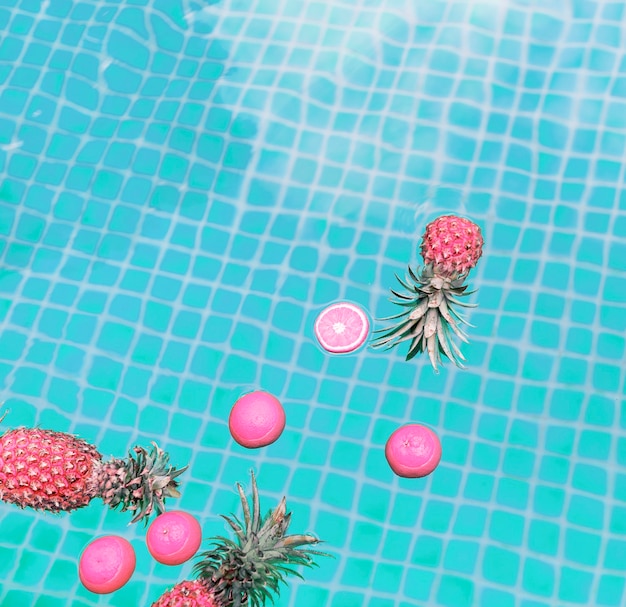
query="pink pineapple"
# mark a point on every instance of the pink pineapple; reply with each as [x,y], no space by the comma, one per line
[451,247]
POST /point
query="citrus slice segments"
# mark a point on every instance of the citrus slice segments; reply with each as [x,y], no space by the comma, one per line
[341,327]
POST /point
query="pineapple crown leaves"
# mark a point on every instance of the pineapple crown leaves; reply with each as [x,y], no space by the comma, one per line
[251,569]
[430,320]
[141,482]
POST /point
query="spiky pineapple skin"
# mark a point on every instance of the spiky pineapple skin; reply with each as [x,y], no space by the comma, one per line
[59,472]
[190,593]
[47,470]
[452,244]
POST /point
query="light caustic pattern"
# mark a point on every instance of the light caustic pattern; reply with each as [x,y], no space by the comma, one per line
[185,185]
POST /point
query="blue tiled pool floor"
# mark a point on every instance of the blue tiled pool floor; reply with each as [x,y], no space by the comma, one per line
[184,185]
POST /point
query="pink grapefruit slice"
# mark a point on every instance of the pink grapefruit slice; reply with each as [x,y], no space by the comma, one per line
[341,327]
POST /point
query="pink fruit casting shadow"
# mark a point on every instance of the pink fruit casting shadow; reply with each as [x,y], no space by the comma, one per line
[257,419]
[174,537]
[413,451]
[341,328]
[106,564]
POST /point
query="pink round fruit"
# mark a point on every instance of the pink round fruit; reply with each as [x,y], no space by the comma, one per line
[106,564]
[257,419]
[341,327]
[174,537]
[413,451]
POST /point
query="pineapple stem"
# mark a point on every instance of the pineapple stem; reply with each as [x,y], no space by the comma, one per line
[140,483]
[429,318]
[251,569]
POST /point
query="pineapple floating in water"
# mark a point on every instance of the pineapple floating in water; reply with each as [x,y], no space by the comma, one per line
[451,247]
[59,472]
[250,570]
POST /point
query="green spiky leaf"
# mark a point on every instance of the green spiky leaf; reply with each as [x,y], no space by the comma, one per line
[141,483]
[429,318]
[251,569]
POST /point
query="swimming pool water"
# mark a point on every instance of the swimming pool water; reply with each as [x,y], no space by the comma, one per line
[185,184]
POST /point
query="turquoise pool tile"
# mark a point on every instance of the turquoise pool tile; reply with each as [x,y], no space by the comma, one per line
[28,381]
[466,387]
[544,537]
[538,578]
[305,482]
[358,571]
[388,579]
[396,545]
[460,557]
[512,493]
[346,456]
[447,483]
[506,527]
[554,469]
[104,373]
[479,487]
[470,521]
[491,597]
[614,552]
[611,590]
[575,585]
[8,560]
[58,576]
[309,597]
[30,562]
[524,433]
[586,512]
[342,367]
[492,427]
[332,526]
[456,449]
[437,516]
[333,495]
[550,501]
[486,456]
[587,550]
[501,566]
[458,418]
[455,591]
[427,551]
[349,599]
[332,392]
[594,445]
[115,338]
[518,463]
[12,345]
[590,479]
[14,598]
[419,585]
